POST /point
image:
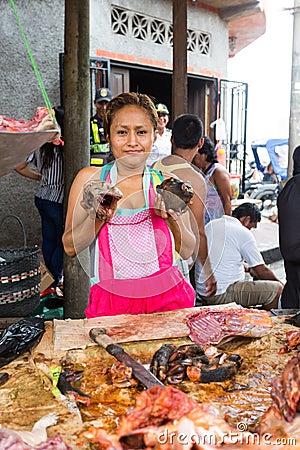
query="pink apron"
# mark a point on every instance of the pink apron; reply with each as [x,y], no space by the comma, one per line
[136,269]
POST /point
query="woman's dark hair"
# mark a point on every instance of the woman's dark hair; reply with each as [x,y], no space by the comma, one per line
[247,209]
[129,99]
[187,131]
[47,150]
[208,148]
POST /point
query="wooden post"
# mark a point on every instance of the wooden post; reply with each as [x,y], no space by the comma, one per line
[76,134]
[179,84]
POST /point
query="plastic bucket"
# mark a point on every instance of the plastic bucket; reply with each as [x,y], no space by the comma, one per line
[235,185]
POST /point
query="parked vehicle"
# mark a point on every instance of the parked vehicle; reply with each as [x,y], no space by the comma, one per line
[271,153]
[274,151]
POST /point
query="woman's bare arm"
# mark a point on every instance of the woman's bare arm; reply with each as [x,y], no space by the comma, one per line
[26,171]
[81,225]
[221,179]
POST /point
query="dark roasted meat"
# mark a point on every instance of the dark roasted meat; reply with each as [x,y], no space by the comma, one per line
[71,391]
[176,194]
[101,196]
[3,378]
[20,125]
[159,363]
[194,363]
[121,375]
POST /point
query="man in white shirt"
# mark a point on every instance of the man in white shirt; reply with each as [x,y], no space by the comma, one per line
[231,245]
[162,146]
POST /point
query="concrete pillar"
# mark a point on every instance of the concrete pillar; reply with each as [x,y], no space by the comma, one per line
[294,125]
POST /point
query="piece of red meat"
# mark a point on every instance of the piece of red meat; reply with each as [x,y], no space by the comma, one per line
[16,125]
[156,406]
[293,340]
[9,124]
[286,388]
[211,326]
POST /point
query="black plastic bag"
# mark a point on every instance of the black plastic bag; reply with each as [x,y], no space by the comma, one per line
[20,337]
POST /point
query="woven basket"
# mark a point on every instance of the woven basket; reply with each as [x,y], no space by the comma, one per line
[20,278]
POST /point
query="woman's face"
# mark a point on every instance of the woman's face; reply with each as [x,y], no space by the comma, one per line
[131,134]
[200,160]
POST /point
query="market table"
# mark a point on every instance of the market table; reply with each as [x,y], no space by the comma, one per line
[27,395]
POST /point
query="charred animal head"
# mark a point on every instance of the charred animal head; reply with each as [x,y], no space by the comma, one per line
[176,194]
[101,196]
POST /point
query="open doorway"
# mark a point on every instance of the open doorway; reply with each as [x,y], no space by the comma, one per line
[202,92]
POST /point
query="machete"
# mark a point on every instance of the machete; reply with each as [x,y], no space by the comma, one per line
[147,378]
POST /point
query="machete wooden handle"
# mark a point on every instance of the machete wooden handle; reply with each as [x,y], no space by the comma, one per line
[100,337]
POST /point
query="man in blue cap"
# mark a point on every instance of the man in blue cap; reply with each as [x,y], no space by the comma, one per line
[162,146]
[101,153]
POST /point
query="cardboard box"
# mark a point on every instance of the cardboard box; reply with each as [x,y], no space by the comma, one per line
[46,277]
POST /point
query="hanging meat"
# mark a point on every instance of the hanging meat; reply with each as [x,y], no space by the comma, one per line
[17,125]
[18,138]
[11,125]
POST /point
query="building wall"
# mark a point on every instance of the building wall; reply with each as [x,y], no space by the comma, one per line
[120,47]
[43,24]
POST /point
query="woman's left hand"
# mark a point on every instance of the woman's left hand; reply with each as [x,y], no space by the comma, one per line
[180,226]
[160,209]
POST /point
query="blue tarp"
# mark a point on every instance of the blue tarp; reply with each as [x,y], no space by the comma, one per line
[278,153]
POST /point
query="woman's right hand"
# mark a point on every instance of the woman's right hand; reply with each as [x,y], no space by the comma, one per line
[82,224]
[103,214]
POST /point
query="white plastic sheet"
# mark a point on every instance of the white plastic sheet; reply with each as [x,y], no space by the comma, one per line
[16,146]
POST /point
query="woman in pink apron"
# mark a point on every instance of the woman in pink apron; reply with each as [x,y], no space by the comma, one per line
[134,246]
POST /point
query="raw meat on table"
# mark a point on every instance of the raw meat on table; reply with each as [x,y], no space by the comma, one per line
[286,388]
[213,326]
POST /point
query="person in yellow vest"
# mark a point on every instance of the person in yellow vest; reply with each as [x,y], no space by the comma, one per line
[100,151]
